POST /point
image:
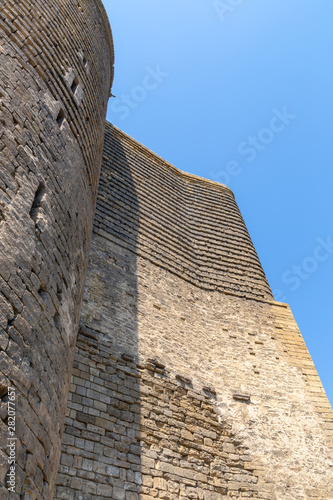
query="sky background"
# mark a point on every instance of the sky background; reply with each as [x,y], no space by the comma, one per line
[241,92]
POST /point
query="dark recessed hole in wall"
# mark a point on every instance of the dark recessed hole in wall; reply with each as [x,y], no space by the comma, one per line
[38,201]
[75,85]
[15,121]
[3,391]
[61,117]
[84,61]
[43,293]
[11,322]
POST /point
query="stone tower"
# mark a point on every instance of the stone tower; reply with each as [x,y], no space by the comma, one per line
[188,380]
[56,61]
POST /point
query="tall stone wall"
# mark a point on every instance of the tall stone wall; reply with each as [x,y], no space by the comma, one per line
[177,221]
[56,61]
[189,381]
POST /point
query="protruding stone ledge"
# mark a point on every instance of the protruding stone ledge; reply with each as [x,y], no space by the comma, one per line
[244,398]
[155,365]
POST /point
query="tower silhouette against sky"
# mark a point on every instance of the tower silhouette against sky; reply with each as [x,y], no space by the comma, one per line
[164,368]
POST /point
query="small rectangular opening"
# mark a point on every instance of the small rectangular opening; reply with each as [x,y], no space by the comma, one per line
[37,202]
[75,85]
[61,117]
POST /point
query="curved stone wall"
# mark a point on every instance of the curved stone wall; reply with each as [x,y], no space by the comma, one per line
[180,391]
[56,62]
[68,43]
[183,223]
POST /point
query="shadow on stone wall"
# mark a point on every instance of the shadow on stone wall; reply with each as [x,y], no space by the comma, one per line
[101,456]
[135,430]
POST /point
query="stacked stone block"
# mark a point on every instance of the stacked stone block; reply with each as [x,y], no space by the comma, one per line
[56,70]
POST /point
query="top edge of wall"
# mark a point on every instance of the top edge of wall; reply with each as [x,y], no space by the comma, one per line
[186,176]
[101,8]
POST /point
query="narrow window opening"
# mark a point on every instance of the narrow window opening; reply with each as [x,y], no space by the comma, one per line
[43,293]
[75,85]
[61,117]
[3,391]
[37,203]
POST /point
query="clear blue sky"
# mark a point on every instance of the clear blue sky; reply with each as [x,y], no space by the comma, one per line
[243,95]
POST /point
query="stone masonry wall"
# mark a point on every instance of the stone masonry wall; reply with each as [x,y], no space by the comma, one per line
[179,390]
[180,222]
[67,44]
[56,70]
[135,432]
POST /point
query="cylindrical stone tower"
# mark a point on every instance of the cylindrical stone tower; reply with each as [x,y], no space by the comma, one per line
[56,60]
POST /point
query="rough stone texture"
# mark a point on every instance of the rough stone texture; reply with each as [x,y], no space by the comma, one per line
[56,71]
[189,381]
[135,432]
[182,388]
[180,222]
